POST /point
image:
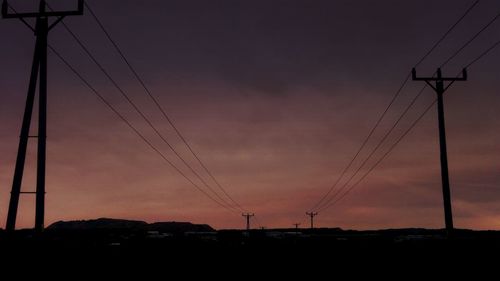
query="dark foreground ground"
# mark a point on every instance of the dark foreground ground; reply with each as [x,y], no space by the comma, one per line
[319,254]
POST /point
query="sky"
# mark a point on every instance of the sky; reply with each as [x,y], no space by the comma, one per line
[275,96]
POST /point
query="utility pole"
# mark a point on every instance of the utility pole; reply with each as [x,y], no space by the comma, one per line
[248,216]
[312,215]
[440,89]
[296,226]
[38,70]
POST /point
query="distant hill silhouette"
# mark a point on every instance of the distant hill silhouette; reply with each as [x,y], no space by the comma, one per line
[120,224]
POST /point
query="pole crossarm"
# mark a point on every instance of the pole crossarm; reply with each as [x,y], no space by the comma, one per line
[439,76]
[42,13]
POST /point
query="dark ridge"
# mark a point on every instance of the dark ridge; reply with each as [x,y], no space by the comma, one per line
[120,224]
[101,223]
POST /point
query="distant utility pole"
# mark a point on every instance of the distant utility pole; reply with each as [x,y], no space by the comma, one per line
[440,88]
[38,69]
[312,215]
[248,216]
[296,226]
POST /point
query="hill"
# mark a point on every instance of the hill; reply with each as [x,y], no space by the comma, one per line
[120,224]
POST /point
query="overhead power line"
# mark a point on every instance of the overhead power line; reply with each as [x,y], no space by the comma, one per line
[383,156]
[133,128]
[143,116]
[455,54]
[483,54]
[160,107]
[322,201]
[377,147]
[446,34]
[485,27]
[398,92]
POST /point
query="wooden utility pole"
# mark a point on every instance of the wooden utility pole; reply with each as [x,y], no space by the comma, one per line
[38,71]
[437,83]
[247,217]
[312,215]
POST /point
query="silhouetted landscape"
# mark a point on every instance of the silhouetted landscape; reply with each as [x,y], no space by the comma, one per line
[366,118]
[122,241]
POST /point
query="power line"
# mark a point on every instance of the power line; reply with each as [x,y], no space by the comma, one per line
[159,106]
[384,156]
[144,117]
[483,54]
[132,127]
[494,19]
[379,144]
[321,203]
[446,33]
[479,57]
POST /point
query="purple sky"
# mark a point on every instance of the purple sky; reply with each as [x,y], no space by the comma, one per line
[275,96]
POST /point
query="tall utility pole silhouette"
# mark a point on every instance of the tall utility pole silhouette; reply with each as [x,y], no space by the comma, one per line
[248,216]
[38,69]
[296,226]
[440,88]
[312,215]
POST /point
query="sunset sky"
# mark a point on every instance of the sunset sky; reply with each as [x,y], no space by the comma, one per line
[275,96]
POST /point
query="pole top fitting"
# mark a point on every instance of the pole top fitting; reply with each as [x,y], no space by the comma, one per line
[439,73]
[43,4]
